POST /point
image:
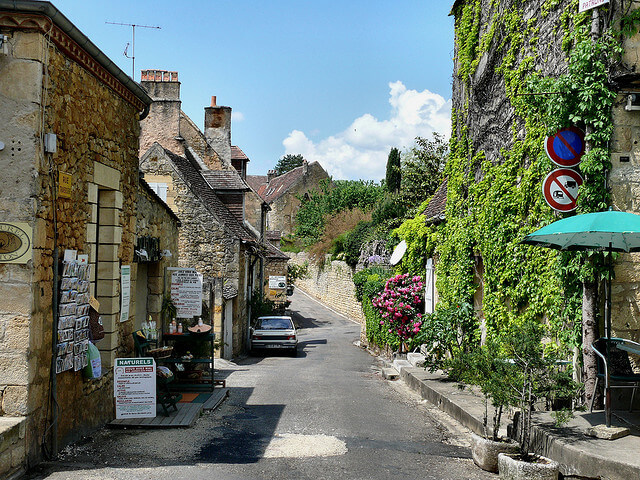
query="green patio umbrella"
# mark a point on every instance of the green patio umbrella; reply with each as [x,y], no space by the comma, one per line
[607,231]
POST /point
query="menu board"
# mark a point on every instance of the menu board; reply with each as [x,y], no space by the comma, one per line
[73,319]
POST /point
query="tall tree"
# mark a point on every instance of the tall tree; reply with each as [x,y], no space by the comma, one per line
[393,177]
[422,168]
[288,162]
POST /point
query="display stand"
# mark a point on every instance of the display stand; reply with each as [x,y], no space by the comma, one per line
[191,378]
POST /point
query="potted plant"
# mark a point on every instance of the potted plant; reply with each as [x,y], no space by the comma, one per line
[484,368]
[531,373]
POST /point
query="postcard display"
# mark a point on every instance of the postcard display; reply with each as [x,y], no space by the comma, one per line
[73,319]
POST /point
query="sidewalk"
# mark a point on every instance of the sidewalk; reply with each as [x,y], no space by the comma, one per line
[577,453]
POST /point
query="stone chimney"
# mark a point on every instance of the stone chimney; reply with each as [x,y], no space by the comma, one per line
[271,174]
[217,130]
[163,122]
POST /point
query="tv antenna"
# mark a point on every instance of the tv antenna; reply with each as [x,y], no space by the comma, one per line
[133,43]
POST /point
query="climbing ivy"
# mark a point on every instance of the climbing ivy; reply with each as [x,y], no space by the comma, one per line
[493,203]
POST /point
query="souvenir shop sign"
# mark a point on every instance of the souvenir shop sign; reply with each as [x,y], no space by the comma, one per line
[134,387]
[15,242]
[186,292]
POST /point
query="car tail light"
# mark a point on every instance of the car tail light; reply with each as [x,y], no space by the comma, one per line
[256,337]
[291,337]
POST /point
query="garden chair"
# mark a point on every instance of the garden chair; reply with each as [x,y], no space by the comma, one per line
[619,365]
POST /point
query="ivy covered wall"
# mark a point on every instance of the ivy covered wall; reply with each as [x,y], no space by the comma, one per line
[523,69]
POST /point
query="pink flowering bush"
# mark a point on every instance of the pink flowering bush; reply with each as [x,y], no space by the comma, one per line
[400,305]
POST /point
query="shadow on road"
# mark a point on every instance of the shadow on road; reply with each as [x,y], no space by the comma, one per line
[244,436]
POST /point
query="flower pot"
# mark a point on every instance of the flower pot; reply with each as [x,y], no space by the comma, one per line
[485,451]
[510,467]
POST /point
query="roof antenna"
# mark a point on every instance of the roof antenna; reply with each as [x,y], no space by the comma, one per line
[133,43]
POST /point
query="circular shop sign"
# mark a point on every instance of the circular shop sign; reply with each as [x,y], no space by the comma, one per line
[560,189]
[566,147]
[14,242]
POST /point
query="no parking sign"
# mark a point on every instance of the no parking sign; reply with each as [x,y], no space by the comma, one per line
[560,189]
[566,147]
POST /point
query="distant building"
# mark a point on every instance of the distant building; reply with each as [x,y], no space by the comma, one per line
[281,193]
[201,176]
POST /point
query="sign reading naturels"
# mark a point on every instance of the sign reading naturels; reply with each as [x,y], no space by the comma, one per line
[589,4]
[566,147]
[15,242]
[186,292]
[134,387]
[560,189]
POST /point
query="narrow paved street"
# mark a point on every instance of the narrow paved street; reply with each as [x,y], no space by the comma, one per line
[326,414]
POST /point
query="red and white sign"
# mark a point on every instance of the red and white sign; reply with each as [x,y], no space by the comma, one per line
[589,4]
[565,147]
[560,189]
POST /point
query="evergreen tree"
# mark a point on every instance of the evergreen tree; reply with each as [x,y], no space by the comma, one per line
[393,171]
[288,162]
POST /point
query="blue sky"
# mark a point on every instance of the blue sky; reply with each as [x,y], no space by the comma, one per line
[340,81]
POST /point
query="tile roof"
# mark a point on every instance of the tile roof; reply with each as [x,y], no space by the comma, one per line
[274,252]
[238,154]
[193,177]
[198,185]
[278,186]
[255,181]
[225,180]
[435,210]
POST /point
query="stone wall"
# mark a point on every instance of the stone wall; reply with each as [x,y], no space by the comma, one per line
[204,242]
[97,141]
[332,285]
[154,219]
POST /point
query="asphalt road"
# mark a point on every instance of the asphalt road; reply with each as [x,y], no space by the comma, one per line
[326,414]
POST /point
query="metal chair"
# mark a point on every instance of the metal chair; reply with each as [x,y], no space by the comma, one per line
[618,364]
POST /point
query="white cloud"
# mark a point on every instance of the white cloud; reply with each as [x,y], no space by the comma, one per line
[237,116]
[361,151]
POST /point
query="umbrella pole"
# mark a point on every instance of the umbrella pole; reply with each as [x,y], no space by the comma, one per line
[607,326]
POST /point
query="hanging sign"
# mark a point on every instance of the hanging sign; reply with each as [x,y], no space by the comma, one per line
[560,189]
[589,4]
[566,147]
[134,387]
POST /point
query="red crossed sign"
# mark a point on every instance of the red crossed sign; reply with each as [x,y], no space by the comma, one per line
[566,147]
[560,189]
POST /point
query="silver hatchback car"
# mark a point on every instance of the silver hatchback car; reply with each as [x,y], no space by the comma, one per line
[275,332]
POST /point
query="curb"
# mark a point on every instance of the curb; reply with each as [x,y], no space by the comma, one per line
[576,454]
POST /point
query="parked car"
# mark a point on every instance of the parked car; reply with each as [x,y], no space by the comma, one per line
[275,332]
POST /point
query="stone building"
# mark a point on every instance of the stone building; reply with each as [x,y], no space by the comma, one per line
[281,193]
[70,184]
[201,175]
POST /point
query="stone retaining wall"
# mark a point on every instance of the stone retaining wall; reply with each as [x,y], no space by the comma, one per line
[332,285]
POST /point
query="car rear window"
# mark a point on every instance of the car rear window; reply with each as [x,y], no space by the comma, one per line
[275,323]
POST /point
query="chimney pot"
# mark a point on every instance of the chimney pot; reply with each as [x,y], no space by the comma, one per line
[213,100]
